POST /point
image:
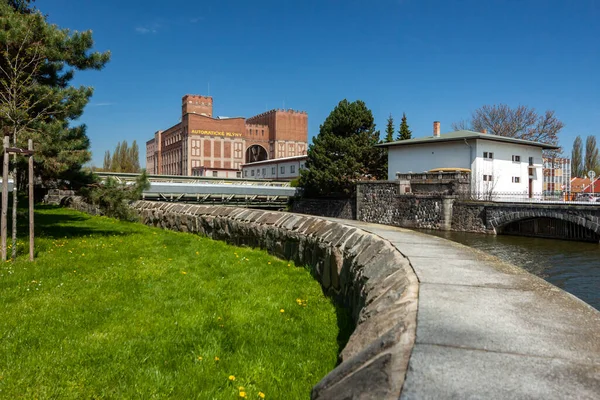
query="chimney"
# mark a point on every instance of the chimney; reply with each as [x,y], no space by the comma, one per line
[436,129]
[484,131]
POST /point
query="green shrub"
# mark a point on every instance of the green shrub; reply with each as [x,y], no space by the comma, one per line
[113,197]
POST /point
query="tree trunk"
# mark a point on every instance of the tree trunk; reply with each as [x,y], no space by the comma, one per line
[14,210]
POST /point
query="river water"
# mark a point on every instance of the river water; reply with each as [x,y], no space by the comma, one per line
[572,266]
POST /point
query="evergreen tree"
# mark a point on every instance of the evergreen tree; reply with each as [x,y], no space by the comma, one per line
[577,158]
[404,133]
[39,59]
[343,152]
[389,130]
[591,155]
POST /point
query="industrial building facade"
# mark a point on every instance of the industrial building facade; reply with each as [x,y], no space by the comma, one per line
[202,145]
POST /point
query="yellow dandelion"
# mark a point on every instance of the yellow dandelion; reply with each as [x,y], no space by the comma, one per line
[269,263]
[243,394]
[289,265]
[282,310]
[197,253]
[216,358]
[183,272]
[82,254]
[261,395]
[199,358]
[231,378]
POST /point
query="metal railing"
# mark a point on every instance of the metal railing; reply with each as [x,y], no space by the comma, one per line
[543,197]
[131,177]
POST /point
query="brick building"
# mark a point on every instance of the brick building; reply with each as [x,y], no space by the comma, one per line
[204,145]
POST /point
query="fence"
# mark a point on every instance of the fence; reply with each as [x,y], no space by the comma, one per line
[543,197]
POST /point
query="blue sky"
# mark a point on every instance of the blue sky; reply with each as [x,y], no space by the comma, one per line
[433,60]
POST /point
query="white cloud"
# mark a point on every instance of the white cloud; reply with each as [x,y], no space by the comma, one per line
[100,104]
[145,29]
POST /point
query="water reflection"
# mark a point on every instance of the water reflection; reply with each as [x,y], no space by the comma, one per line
[572,266]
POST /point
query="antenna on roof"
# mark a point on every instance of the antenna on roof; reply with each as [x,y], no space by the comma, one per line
[208,91]
[284,104]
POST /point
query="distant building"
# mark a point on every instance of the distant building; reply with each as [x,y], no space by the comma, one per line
[203,144]
[497,164]
[557,174]
[585,185]
[286,168]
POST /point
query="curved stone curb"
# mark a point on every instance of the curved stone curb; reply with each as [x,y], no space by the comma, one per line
[357,269]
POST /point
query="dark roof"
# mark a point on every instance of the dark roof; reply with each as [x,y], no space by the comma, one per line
[464,134]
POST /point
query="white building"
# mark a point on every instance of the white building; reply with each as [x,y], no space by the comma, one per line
[498,165]
[286,168]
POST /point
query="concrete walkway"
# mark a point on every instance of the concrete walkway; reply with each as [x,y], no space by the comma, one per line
[490,330]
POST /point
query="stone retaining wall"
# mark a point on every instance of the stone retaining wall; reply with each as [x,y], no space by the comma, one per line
[335,208]
[380,202]
[359,270]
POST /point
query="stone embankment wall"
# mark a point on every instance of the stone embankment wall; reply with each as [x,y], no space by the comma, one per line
[380,202]
[67,198]
[335,208]
[469,217]
[359,270]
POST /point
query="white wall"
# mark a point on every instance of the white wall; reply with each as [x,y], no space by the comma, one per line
[423,157]
[427,156]
[284,170]
[503,169]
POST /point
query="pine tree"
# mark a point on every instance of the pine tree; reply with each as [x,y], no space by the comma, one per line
[41,59]
[389,130]
[343,152]
[404,133]
[577,158]
[591,155]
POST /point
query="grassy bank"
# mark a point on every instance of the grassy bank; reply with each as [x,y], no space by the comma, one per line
[120,310]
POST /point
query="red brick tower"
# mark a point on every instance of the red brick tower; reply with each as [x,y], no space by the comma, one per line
[195,104]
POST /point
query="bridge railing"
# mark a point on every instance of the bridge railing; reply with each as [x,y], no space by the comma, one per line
[538,197]
[131,177]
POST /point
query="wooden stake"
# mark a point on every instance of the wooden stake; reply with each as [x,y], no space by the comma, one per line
[31,233]
[3,221]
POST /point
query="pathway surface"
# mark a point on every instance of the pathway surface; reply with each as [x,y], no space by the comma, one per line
[489,330]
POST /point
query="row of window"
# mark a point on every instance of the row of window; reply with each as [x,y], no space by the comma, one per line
[490,178]
[238,174]
[489,155]
[258,171]
[256,131]
[173,139]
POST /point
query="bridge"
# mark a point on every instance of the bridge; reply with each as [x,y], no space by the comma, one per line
[565,221]
[202,189]
[385,203]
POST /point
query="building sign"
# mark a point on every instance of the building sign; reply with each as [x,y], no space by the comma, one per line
[215,133]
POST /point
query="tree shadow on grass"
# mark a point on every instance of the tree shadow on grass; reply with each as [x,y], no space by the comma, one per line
[61,225]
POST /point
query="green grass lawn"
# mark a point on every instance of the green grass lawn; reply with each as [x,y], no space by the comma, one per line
[120,310]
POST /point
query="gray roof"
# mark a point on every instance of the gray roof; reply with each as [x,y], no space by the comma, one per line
[464,134]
